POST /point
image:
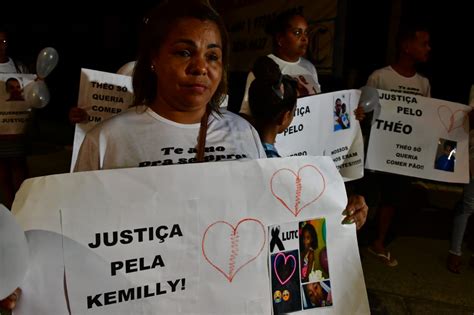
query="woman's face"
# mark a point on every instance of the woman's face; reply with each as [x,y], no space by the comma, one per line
[294,41]
[188,65]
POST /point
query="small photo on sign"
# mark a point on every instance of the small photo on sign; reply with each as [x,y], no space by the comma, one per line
[341,112]
[285,282]
[445,159]
[317,294]
[313,252]
[14,89]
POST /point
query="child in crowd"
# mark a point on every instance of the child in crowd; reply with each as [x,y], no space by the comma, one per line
[272,100]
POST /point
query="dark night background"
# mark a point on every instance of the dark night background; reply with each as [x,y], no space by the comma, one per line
[102,36]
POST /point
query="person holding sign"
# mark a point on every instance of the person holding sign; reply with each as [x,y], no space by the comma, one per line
[289,33]
[413,45]
[179,82]
[13,147]
[272,99]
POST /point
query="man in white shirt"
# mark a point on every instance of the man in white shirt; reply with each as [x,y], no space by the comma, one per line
[413,44]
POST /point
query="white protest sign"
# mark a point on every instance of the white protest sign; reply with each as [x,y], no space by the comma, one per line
[325,124]
[14,110]
[155,239]
[420,137]
[102,95]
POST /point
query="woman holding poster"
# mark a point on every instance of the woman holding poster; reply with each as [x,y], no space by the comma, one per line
[289,33]
[13,147]
[179,82]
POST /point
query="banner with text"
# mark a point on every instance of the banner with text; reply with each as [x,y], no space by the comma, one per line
[102,95]
[421,137]
[15,112]
[177,246]
[325,124]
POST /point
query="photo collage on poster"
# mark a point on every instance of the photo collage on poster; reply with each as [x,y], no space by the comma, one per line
[299,268]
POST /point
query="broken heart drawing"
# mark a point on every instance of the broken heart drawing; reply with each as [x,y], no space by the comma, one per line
[229,249]
[309,186]
[451,120]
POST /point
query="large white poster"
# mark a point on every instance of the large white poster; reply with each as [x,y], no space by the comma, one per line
[421,137]
[325,124]
[181,239]
[15,112]
[102,95]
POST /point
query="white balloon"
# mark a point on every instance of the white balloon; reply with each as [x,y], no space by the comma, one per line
[14,253]
[46,62]
[369,98]
[37,94]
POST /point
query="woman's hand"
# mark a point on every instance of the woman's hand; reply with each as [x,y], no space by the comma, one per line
[356,211]
[10,302]
[77,115]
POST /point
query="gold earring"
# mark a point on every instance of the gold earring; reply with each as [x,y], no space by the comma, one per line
[152,68]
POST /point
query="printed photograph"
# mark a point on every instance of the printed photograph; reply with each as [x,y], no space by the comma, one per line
[317,294]
[285,282]
[445,159]
[313,253]
[341,113]
[14,90]
[306,85]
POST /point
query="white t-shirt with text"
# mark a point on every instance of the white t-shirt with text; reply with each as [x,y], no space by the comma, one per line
[389,80]
[302,70]
[140,137]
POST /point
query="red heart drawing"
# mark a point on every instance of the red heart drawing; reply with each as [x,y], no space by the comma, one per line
[282,282]
[315,173]
[235,260]
[448,118]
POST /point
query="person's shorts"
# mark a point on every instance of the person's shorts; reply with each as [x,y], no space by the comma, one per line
[385,189]
[14,147]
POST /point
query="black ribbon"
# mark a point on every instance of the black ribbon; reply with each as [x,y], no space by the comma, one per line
[276,240]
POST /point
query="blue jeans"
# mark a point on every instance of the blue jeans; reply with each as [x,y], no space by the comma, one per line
[464,210]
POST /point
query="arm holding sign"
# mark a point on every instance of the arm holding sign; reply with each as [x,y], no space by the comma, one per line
[78,115]
[356,211]
[10,302]
[359,113]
